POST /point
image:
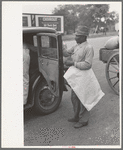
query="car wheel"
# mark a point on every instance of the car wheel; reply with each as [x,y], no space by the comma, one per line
[45,101]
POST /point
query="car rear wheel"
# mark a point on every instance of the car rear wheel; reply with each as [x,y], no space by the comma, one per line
[45,101]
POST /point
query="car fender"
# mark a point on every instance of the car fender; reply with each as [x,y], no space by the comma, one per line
[35,84]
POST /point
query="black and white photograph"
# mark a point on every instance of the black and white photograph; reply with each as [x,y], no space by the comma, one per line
[61,74]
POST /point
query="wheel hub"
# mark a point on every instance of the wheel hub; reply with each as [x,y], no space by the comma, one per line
[46,97]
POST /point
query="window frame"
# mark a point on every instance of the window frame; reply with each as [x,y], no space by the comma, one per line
[40,48]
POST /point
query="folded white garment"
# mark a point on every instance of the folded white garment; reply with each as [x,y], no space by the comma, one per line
[26,63]
[85,85]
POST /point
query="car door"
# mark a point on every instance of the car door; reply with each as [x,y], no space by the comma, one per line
[49,60]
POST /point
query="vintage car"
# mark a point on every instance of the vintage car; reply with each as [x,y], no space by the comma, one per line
[46,83]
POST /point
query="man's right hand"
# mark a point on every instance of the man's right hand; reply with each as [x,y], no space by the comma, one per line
[69,63]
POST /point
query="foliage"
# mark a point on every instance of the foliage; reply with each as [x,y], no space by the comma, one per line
[70,16]
[91,15]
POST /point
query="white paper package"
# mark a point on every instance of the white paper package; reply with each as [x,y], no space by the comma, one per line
[112,43]
[85,85]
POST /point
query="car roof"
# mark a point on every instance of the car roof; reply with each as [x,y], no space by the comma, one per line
[38,30]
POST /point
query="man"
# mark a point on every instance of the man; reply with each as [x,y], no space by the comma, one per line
[81,57]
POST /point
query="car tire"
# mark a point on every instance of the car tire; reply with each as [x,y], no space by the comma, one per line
[45,102]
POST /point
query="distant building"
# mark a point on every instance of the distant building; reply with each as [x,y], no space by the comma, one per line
[117,26]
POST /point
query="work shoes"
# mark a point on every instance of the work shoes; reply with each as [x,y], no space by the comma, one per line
[80,124]
[73,120]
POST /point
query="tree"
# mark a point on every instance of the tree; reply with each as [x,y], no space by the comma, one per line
[63,12]
[98,15]
[70,16]
[91,15]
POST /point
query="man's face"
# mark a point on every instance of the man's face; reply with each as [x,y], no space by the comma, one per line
[80,39]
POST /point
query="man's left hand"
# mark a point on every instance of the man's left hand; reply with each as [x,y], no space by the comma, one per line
[69,63]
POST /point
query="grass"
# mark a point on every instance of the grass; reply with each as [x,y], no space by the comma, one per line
[72,36]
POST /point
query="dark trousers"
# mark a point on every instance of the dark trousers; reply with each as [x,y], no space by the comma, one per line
[80,111]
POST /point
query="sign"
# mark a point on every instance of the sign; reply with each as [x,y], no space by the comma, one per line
[25,22]
[37,20]
[50,22]
[55,22]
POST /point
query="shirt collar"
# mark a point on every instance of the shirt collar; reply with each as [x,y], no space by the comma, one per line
[82,44]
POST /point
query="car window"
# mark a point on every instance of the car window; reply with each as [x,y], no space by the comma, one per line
[45,41]
[35,41]
[49,46]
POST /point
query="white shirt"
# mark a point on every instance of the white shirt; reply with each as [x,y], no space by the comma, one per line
[82,55]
